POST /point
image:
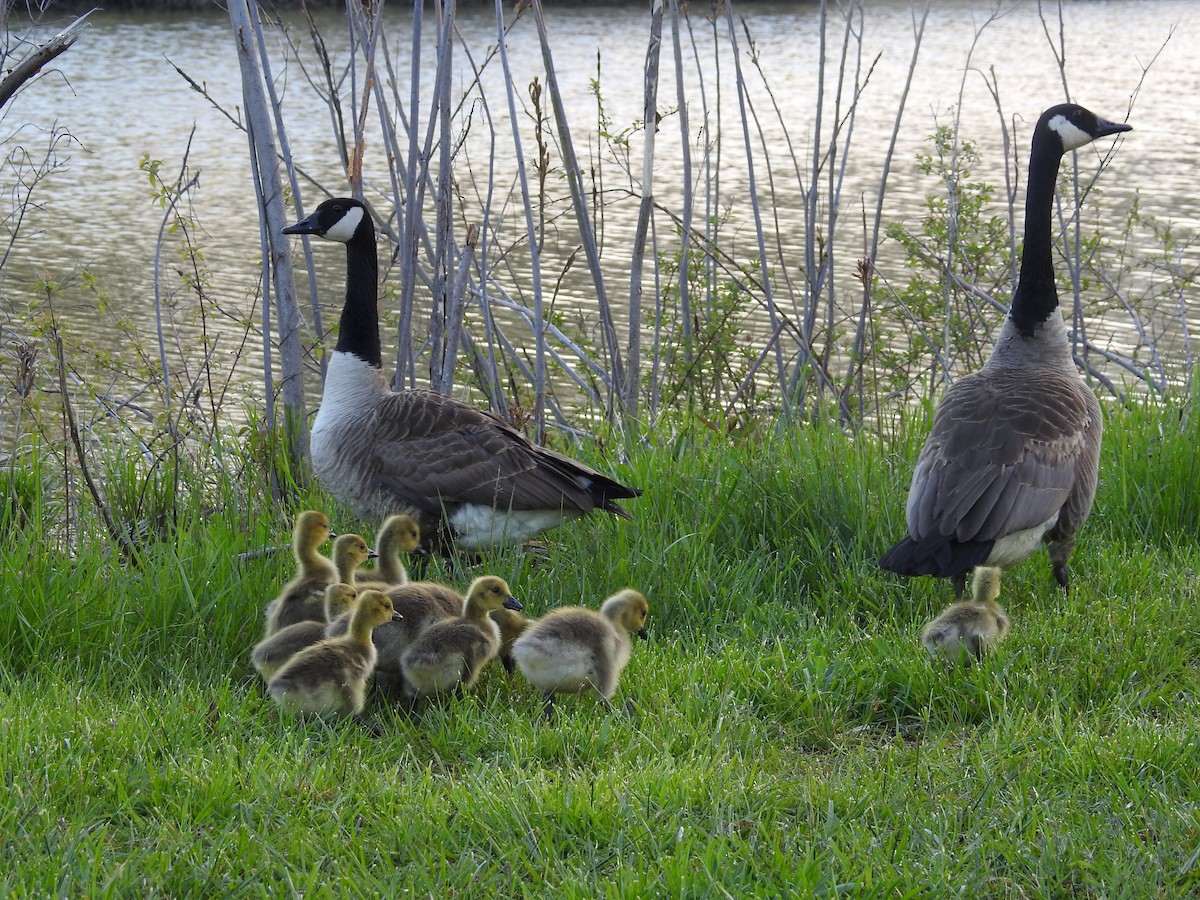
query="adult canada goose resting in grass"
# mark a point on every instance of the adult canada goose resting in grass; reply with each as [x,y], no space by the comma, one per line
[464,475]
[397,535]
[314,572]
[965,630]
[1011,460]
[572,649]
[272,652]
[349,552]
[449,655]
[329,679]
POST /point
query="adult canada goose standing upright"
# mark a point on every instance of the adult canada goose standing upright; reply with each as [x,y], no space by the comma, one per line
[463,474]
[1011,460]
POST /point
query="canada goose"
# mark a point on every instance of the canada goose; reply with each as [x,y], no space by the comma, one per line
[966,629]
[314,573]
[572,649]
[272,652]
[512,625]
[1011,460]
[464,475]
[397,535]
[418,605]
[349,552]
[449,655]
[329,678]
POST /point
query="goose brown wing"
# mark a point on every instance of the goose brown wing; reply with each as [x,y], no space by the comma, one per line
[433,450]
[1002,455]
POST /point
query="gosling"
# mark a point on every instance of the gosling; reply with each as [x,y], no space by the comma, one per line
[270,654]
[512,625]
[329,679]
[349,552]
[965,630]
[449,655]
[572,650]
[398,534]
[419,604]
[314,572]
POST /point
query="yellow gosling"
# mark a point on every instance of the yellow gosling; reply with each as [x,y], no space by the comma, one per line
[329,679]
[965,630]
[314,572]
[419,604]
[573,650]
[349,552]
[512,625]
[397,535]
[271,653]
[449,655]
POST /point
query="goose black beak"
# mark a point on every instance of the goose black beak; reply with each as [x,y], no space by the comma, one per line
[1104,128]
[513,603]
[643,635]
[304,226]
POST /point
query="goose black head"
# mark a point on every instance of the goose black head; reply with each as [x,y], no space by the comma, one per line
[1076,126]
[338,220]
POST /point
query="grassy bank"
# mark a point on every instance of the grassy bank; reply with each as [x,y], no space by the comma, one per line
[791,737]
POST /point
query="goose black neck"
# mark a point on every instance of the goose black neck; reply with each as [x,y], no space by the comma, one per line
[1036,296]
[359,332]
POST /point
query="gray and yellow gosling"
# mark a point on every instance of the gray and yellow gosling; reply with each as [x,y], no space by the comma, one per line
[449,655]
[573,650]
[329,679]
[965,630]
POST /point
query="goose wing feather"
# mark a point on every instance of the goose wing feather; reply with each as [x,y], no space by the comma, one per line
[427,446]
[1003,455]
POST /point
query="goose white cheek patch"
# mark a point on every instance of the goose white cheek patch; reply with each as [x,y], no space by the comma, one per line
[343,230]
[1073,137]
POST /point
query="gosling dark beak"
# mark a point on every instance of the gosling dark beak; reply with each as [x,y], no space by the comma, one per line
[421,550]
[304,226]
[371,554]
[513,603]
[643,635]
[1104,128]
[397,617]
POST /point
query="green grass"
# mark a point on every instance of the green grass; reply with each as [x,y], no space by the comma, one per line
[791,739]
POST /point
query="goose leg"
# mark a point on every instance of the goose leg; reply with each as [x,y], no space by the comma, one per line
[959,580]
[548,705]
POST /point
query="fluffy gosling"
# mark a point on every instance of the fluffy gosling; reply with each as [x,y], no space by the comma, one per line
[349,552]
[314,572]
[512,625]
[449,655]
[398,534]
[419,604]
[329,679]
[965,630]
[572,650]
[272,652]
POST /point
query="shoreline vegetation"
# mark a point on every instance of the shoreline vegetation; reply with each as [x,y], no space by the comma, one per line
[792,737]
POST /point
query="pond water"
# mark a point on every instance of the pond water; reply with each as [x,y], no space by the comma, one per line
[117,93]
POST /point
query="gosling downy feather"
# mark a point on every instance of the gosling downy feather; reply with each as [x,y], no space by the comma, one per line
[1012,458]
[329,679]
[466,477]
[449,655]
[965,630]
[573,649]
[397,535]
[272,652]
